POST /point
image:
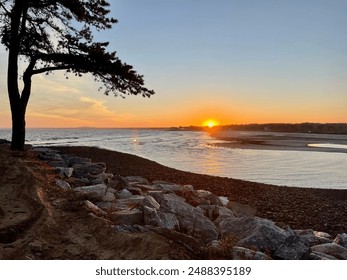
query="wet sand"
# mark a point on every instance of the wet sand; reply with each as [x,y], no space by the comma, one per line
[281,141]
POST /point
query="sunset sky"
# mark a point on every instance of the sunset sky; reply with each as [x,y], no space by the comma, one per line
[234,61]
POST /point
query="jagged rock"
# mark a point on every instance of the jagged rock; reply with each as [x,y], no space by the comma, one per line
[321,256]
[309,235]
[331,249]
[86,170]
[241,210]
[102,177]
[134,180]
[160,219]
[149,202]
[294,247]
[62,184]
[191,220]
[127,217]
[95,181]
[92,207]
[135,190]
[241,253]
[121,204]
[64,171]
[321,234]
[96,192]
[147,188]
[124,193]
[341,239]
[50,156]
[79,160]
[254,233]
[223,200]
[214,212]
[171,187]
[78,182]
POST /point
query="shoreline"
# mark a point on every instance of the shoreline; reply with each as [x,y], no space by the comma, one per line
[284,205]
[279,141]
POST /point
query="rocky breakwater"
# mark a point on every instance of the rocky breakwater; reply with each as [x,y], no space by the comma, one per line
[197,219]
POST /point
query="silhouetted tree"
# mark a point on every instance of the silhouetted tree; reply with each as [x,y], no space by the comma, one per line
[57,35]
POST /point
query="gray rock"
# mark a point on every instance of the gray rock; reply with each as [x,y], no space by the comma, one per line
[214,212]
[310,236]
[135,190]
[78,182]
[254,233]
[92,207]
[294,247]
[321,256]
[160,219]
[223,200]
[241,253]
[127,217]
[321,234]
[341,239]
[191,220]
[62,184]
[149,202]
[86,170]
[331,249]
[241,210]
[64,171]
[134,180]
[124,193]
[96,193]
[79,160]
[50,156]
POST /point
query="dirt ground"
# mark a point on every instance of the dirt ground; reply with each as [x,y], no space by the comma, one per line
[39,221]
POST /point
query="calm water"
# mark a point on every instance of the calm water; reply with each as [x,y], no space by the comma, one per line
[192,151]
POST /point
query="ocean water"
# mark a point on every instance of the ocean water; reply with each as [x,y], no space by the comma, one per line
[192,151]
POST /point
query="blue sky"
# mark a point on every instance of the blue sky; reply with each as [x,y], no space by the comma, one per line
[236,61]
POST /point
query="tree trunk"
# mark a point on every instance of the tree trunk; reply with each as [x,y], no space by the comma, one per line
[18,130]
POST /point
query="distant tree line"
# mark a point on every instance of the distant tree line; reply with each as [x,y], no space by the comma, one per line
[327,128]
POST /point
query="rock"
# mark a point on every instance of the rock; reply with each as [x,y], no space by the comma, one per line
[167,187]
[121,204]
[135,190]
[254,233]
[127,217]
[62,184]
[223,200]
[78,182]
[240,253]
[96,192]
[64,171]
[331,249]
[294,247]
[191,220]
[341,239]
[51,156]
[149,202]
[214,212]
[79,160]
[124,193]
[241,210]
[86,170]
[321,256]
[134,180]
[92,207]
[164,220]
[309,235]
[321,234]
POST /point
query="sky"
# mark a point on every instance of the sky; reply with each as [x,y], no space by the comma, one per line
[232,61]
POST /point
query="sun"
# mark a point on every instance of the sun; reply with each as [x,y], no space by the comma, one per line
[210,123]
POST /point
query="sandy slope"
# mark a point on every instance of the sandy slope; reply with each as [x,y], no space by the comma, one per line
[38,221]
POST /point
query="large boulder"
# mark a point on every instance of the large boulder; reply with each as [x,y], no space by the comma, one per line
[312,237]
[96,193]
[341,239]
[331,249]
[160,219]
[254,233]
[293,248]
[127,217]
[192,220]
[87,170]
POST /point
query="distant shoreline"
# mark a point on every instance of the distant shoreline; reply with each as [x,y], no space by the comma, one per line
[279,141]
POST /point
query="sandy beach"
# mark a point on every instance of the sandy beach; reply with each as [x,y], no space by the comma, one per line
[281,141]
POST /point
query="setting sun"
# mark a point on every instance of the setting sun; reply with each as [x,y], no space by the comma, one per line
[210,123]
